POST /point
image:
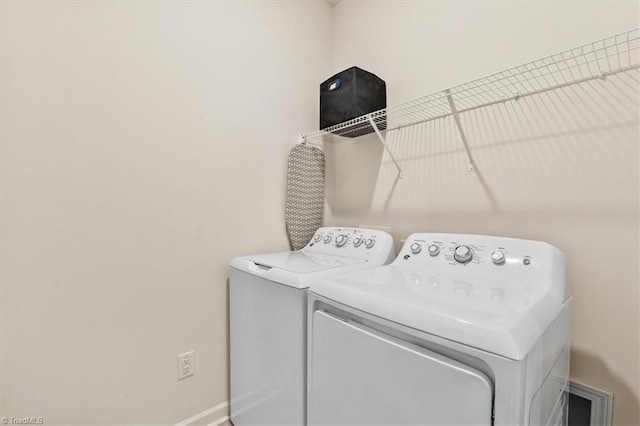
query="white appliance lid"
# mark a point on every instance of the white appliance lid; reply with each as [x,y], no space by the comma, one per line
[501,317]
[302,262]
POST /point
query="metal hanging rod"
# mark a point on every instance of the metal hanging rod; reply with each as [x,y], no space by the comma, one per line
[597,60]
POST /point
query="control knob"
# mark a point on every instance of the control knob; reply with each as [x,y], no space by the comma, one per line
[370,242]
[341,240]
[357,242]
[434,250]
[317,238]
[463,254]
[416,248]
[327,239]
[497,257]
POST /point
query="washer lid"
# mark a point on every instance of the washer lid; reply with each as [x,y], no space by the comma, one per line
[293,269]
[302,262]
[504,317]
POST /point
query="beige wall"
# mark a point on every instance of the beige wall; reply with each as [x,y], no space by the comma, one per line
[144,145]
[560,167]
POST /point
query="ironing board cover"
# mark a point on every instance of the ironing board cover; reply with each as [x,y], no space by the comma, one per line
[304,210]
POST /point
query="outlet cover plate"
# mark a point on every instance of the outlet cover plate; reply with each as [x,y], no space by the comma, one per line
[186,365]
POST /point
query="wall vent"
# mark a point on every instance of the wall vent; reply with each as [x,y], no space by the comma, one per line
[589,406]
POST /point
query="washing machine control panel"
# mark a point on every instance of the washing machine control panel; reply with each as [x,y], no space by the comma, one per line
[476,253]
[359,243]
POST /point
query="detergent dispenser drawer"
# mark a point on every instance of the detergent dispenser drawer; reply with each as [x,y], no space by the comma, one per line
[361,376]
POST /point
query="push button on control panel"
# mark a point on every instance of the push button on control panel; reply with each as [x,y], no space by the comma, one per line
[498,257]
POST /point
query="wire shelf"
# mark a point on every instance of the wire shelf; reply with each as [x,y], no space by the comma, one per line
[596,60]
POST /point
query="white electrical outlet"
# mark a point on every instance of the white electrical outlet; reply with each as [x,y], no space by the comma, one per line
[186,365]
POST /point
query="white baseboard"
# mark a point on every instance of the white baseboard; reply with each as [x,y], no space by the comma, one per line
[214,416]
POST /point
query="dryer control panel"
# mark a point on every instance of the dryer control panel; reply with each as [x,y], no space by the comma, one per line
[359,243]
[479,254]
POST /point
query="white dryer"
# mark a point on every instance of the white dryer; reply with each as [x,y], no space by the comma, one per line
[458,330]
[267,309]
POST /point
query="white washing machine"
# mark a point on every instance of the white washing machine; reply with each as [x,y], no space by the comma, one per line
[458,330]
[268,304]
